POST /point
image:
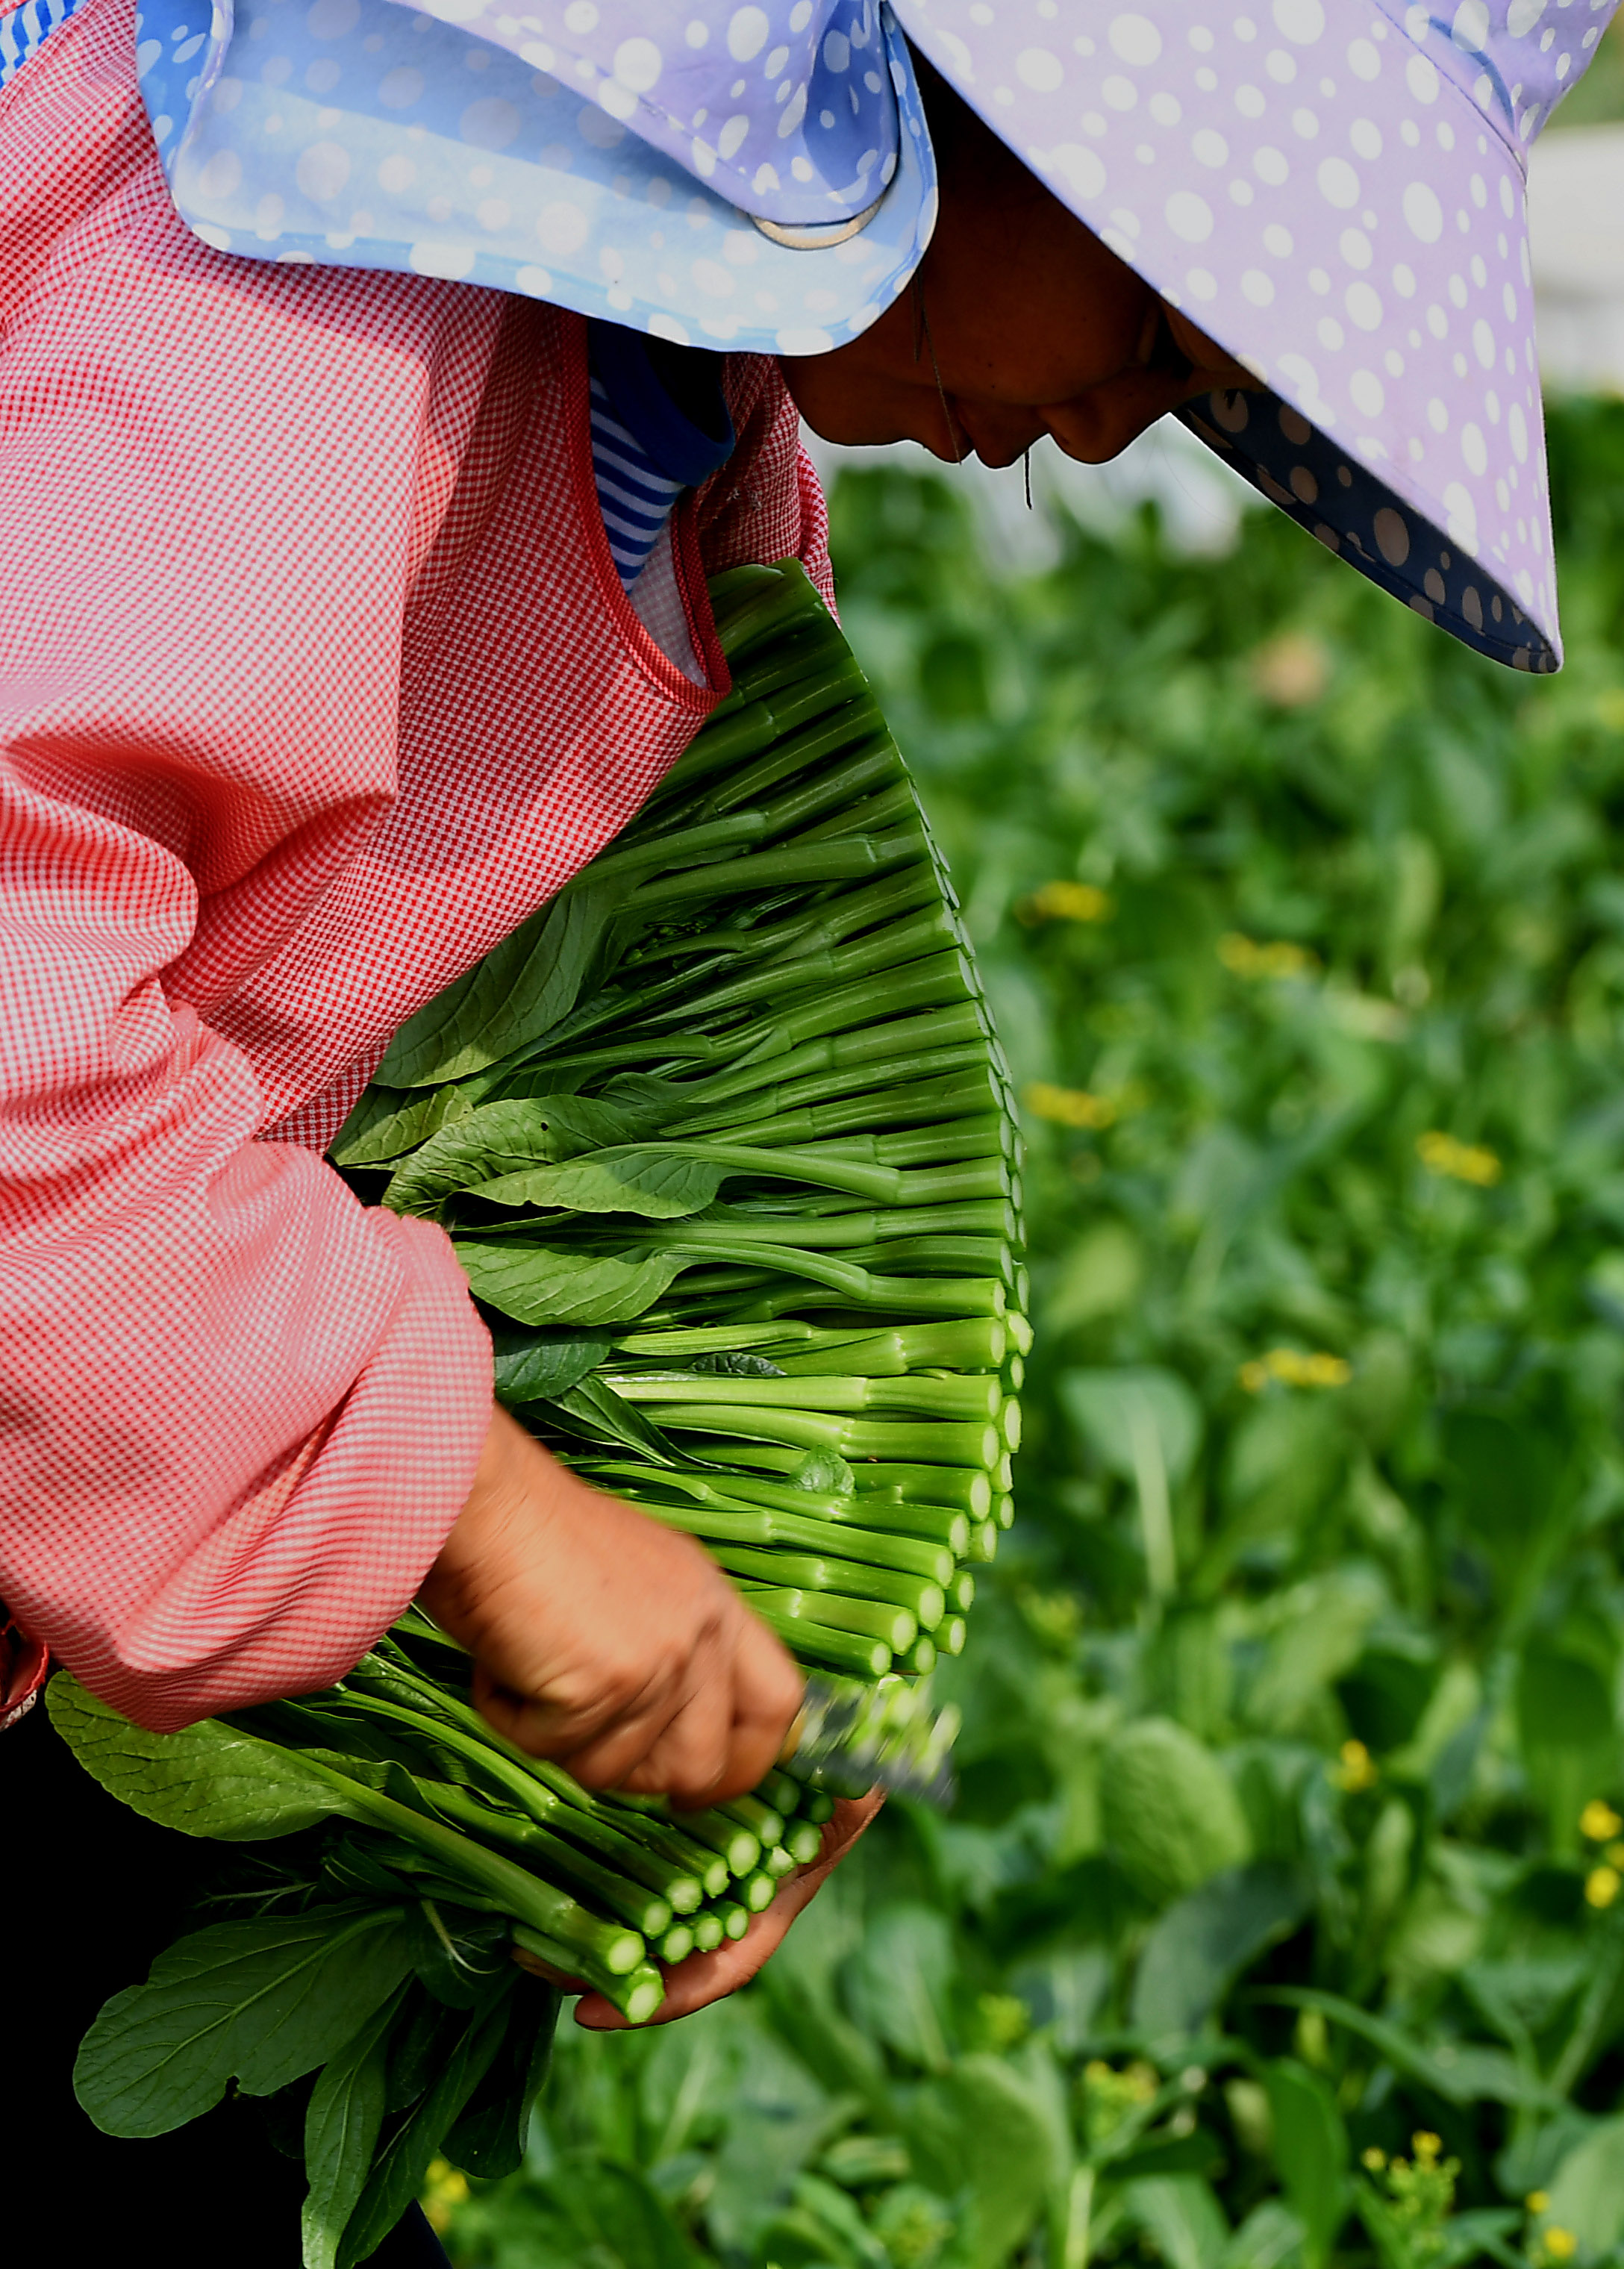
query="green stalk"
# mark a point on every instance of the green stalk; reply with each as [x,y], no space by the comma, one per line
[840,1115]
[778,1862]
[916,1296]
[987,1134]
[784,1794]
[970,1395]
[804,1842]
[758,1891]
[922,1484]
[893,1627]
[949,1635]
[840,859]
[806,1571]
[910,1558]
[899,941]
[900,1045]
[939,982]
[734,1919]
[546,1791]
[676,1945]
[643,1909]
[933,1255]
[983,1541]
[763,1821]
[868,762]
[853,1438]
[852,1656]
[739,1231]
[637,1992]
[610,1947]
[708,1932]
[978,1345]
[737,1847]
[960,1593]
[916,1084]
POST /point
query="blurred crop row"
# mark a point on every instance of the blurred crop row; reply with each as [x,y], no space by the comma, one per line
[1279,1921]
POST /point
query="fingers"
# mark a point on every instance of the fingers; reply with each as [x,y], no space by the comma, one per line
[706,1977]
[604,1639]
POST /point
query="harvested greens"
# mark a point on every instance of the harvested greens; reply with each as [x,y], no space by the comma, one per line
[726,1145]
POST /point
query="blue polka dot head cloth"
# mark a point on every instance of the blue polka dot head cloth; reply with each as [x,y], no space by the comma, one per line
[756,177]
[1333,189]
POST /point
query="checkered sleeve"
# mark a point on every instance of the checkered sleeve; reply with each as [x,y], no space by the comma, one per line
[239,1411]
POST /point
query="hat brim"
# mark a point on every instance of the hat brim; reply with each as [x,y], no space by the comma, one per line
[509,178]
[1364,250]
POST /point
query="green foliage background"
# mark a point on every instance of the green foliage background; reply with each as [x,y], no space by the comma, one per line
[1286,1696]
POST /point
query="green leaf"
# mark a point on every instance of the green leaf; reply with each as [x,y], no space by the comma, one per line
[517,991]
[259,2002]
[1169,1809]
[210,1779]
[898,1982]
[980,2133]
[1179,2213]
[1310,2150]
[1461,2074]
[503,1141]
[593,1410]
[533,1365]
[488,2138]
[343,2122]
[399,2170]
[1587,2190]
[652,1182]
[1118,1411]
[1199,1947]
[387,1121]
[617,2220]
[549,1284]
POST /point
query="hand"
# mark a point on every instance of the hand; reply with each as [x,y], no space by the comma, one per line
[705,1978]
[605,1640]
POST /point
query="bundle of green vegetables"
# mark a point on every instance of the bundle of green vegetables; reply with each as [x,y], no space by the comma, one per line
[726,1145]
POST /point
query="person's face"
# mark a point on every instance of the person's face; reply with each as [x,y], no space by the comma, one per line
[1020,323]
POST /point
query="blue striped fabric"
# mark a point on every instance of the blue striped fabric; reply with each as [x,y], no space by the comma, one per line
[24,31]
[634,496]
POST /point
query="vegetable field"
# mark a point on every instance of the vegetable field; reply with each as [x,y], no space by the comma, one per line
[1280,1920]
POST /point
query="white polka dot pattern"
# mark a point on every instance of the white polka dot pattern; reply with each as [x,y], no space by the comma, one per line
[366,134]
[786,109]
[1335,190]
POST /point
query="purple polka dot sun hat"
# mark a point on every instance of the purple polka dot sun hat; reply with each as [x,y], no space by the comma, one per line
[1333,189]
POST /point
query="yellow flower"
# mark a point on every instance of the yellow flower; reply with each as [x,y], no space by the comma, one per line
[1293,1368]
[1243,957]
[1560,2244]
[1614,1856]
[444,2189]
[1374,2159]
[1538,2201]
[1292,670]
[1080,902]
[1426,2148]
[1599,1820]
[1069,1106]
[1457,1162]
[1610,707]
[1356,1769]
[1602,1886]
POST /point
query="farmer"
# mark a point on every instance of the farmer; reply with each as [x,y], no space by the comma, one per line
[378,386]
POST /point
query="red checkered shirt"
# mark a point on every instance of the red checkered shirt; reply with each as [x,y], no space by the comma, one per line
[316,677]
